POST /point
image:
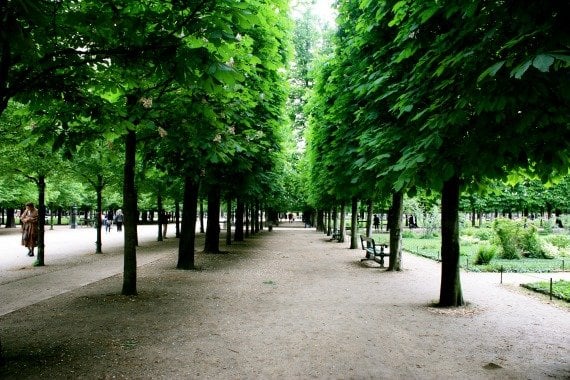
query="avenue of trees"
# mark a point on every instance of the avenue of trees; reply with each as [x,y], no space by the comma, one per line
[439,97]
[173,100]
[154,104]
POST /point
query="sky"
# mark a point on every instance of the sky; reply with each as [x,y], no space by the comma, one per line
[323,9]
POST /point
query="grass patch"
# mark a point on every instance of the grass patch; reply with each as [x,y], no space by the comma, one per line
[470,247]
[560,289]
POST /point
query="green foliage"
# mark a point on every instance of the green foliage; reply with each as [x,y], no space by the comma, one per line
[508,234]
[485,254]
[517,239]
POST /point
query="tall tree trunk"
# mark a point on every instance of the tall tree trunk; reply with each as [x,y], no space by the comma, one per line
[450,292]
[160,212]
[320,220]
[335,219]
[246,220]
[229,220]
[188,233]
[212,243]
[41,220]
[10,218]
[369,218]
[257,217]
[177,217]
[329,223]
[201,216]
[130,214]
[354,224]
[397,208]
[99,191]
[240,209]
[342,224]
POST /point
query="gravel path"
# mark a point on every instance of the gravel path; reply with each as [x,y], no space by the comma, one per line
[285,304]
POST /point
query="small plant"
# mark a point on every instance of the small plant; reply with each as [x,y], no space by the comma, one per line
[485,254]
[408,234]
[484,234]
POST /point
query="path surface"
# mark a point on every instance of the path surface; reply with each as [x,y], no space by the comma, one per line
[285,304]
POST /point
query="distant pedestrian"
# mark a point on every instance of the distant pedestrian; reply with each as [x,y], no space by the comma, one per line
[108,222]
[164,222]
[119,220]
[376,222]
[29,219]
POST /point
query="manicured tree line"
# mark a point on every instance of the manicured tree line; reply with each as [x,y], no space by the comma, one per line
[446,123]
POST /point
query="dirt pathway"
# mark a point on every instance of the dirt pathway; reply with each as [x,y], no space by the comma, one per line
[287,304]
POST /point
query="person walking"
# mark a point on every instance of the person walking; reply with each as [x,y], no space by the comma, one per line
[119,220]
[29,219]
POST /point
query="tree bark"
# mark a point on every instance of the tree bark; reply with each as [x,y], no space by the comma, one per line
[130,214]
[41,220]
[450,292]
[397,208]
[329,223]
[369,218]
[240,209]
[212,243]
[342,224]
[229,220]
[99,191]
[201,216]
[188,233]
[160,218]
[177,217]
[10,218]
[354,224]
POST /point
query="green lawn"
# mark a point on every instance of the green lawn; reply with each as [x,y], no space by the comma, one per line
[560,289]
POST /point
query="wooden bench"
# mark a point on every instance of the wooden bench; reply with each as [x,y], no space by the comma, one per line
[375,252]
[336,235]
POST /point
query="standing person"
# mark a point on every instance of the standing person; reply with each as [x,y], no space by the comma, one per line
[119,220]
[109,222]
[29,219]
[164,222]
[376,222]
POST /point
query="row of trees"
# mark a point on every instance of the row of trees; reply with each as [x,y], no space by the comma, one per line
[170,98]
[444,97]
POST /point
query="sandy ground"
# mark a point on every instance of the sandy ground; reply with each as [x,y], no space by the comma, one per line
[286,304]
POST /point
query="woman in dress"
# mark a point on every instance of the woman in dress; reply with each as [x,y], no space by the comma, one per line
[29,220]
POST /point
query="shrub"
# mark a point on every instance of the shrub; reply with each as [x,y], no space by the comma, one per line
[408,234]
[531,245]
[507,233]
[484,234]
[485,254]
[560,241]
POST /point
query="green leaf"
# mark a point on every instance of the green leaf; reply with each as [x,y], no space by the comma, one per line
[519,71]
[491,70]
[543,62]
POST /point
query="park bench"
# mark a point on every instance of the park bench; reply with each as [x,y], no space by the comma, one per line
[336,235]
[375,252]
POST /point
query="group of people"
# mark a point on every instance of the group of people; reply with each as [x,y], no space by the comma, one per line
[109,219]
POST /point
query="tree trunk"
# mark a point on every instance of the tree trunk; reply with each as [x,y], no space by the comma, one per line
[229,221]
[188,233]
[99,191]
[369,218]
[246,207]
[354,224]
[130,214]
[41,220]
[450,292]
[177,217]
[10,218]
[257,217]
[397,208]
[335,220]
[240,209]
[320,220]
[212,243]
[329,223]
[201,216]
[160,218]
[342,224]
